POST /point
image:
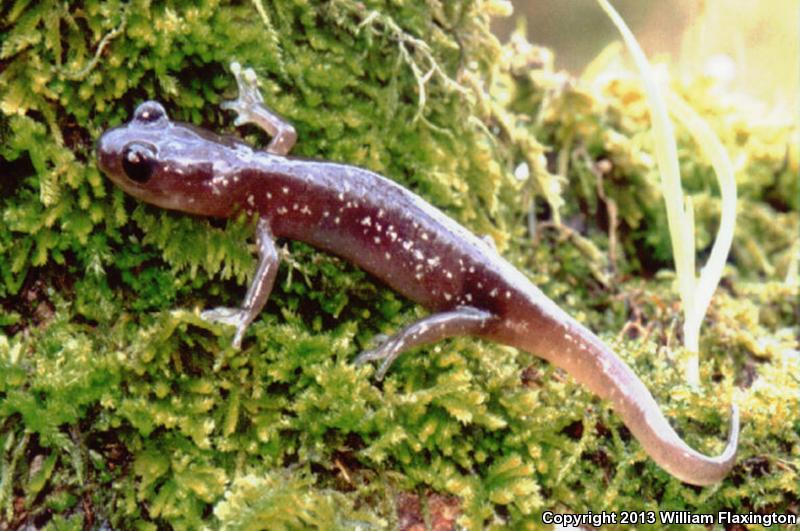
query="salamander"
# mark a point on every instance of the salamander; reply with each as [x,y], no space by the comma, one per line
[391,233]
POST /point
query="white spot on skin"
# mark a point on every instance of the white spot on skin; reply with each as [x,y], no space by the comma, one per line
[294,206]
[508,294]
[433,262]
[251,200]
[305,210]
[285,189]
[336,220]
[447,296]
[468,296]
[418,255]
[424,236]
[471,269]
[448,274]
[418,267]
[367,221]
[388,256]
[218,181]
[341,196]
[380,213]
[418,276]
[282,210]
[269,195]
[326,214]
[408,244]
[376,239]
[493,293]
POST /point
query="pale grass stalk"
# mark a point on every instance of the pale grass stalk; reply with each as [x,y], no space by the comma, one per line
[712,148]
[695,293]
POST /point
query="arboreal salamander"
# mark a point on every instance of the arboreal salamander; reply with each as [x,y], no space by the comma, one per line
[393,234]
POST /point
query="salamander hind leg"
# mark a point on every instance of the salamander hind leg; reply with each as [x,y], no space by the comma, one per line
[257,293]
[462,321]
[251,109]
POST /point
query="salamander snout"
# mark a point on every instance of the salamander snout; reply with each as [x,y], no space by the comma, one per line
[106,156]
[129,159]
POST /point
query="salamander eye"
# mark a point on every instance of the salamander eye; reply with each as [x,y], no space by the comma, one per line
[139,162]
[150,112]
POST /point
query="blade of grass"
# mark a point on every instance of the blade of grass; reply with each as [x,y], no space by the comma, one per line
[695,293]
[712,148]
[667,161]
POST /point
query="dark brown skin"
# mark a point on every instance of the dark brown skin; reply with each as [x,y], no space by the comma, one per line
[396,236]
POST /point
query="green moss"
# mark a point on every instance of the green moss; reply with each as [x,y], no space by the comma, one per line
[119,405]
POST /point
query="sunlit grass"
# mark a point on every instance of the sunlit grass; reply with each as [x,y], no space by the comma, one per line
[695,292]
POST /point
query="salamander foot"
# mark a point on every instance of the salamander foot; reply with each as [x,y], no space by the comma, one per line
[388,351]
[250,109]
[235,317]
[462,321]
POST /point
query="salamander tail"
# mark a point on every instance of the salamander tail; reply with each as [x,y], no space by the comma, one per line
[574,348]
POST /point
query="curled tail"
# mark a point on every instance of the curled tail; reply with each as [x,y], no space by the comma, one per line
[567,344]
[643,417]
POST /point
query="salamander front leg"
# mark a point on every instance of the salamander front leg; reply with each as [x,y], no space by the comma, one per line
[251,109]
[462,321]
[257,293]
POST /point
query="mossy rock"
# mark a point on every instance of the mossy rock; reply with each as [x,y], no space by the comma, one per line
[120,407]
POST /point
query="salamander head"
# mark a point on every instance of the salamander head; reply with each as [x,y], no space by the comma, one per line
[170,164]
